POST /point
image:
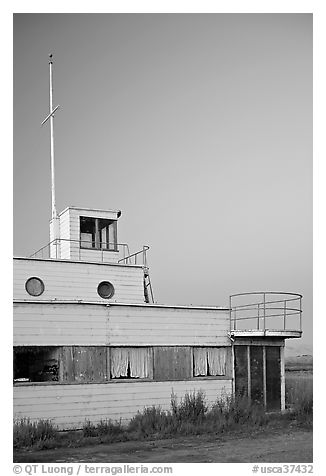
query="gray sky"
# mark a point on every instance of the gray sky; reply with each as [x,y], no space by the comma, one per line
[197,126]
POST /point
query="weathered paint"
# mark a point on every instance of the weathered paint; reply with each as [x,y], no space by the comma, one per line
[68,406]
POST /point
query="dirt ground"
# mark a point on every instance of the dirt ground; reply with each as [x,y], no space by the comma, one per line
[277,446]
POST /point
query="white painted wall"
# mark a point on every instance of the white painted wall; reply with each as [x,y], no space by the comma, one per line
[67,280]
[68,406]
[60,324]
[94,324]
[154,325]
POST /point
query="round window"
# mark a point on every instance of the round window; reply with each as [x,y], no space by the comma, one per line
[105,289]
[34,286]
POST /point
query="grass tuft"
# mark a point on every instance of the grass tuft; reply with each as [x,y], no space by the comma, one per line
[299,398]
[28,433]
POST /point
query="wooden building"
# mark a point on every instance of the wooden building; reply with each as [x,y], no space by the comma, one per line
[91,344]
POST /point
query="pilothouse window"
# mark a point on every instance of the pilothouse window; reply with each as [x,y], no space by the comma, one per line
[98,233]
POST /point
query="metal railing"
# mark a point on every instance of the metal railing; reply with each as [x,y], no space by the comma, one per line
[140,257]
[266,311]
[63,248]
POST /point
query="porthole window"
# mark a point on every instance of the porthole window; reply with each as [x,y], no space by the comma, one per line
[34,286]
[105,289]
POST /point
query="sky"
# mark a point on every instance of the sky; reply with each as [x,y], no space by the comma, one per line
[197,126]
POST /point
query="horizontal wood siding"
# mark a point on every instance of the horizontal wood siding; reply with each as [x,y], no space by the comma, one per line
[86,324]
[68,406]
[78,281]
[146,325]
[99,255]
[60,324]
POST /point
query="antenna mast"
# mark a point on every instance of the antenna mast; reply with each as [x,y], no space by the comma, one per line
[51,117]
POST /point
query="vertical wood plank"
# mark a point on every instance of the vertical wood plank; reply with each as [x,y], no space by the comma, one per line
[282,378]
[249,372]
[264,376]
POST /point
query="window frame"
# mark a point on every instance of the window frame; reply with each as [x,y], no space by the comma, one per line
[40,281]
[96,243]
[107,283]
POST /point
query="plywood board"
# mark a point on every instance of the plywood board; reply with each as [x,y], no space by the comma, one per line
[84,364]
[273,378]
[172,363]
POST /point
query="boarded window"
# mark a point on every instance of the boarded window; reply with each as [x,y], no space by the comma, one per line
[131,362]
[251,380]
[172,363]
[256,374]
[273,378]
[36,364]
[241,370]
[84,364]
[209,361]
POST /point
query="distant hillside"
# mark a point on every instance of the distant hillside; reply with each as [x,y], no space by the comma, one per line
[299,362]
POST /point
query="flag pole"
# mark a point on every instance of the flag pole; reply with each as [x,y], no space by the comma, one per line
[50,117]
[54,210]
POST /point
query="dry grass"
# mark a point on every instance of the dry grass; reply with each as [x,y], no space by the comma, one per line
[299,394]
[27,433]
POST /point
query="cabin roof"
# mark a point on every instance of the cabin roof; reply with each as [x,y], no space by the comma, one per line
[97,210]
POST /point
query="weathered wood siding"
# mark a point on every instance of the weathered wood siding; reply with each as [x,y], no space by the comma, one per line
[60,324]
[155,325]
[68,406]
[65,280]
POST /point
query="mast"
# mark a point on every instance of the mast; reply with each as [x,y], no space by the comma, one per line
[50,117]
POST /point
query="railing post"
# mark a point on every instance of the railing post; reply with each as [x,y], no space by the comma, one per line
[264,311]
[284,323]
[144,257]
[230,312]
[258,308]
[300,313]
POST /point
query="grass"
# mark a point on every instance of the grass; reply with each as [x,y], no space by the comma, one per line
[189,416]
[299,395]
[29,433]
